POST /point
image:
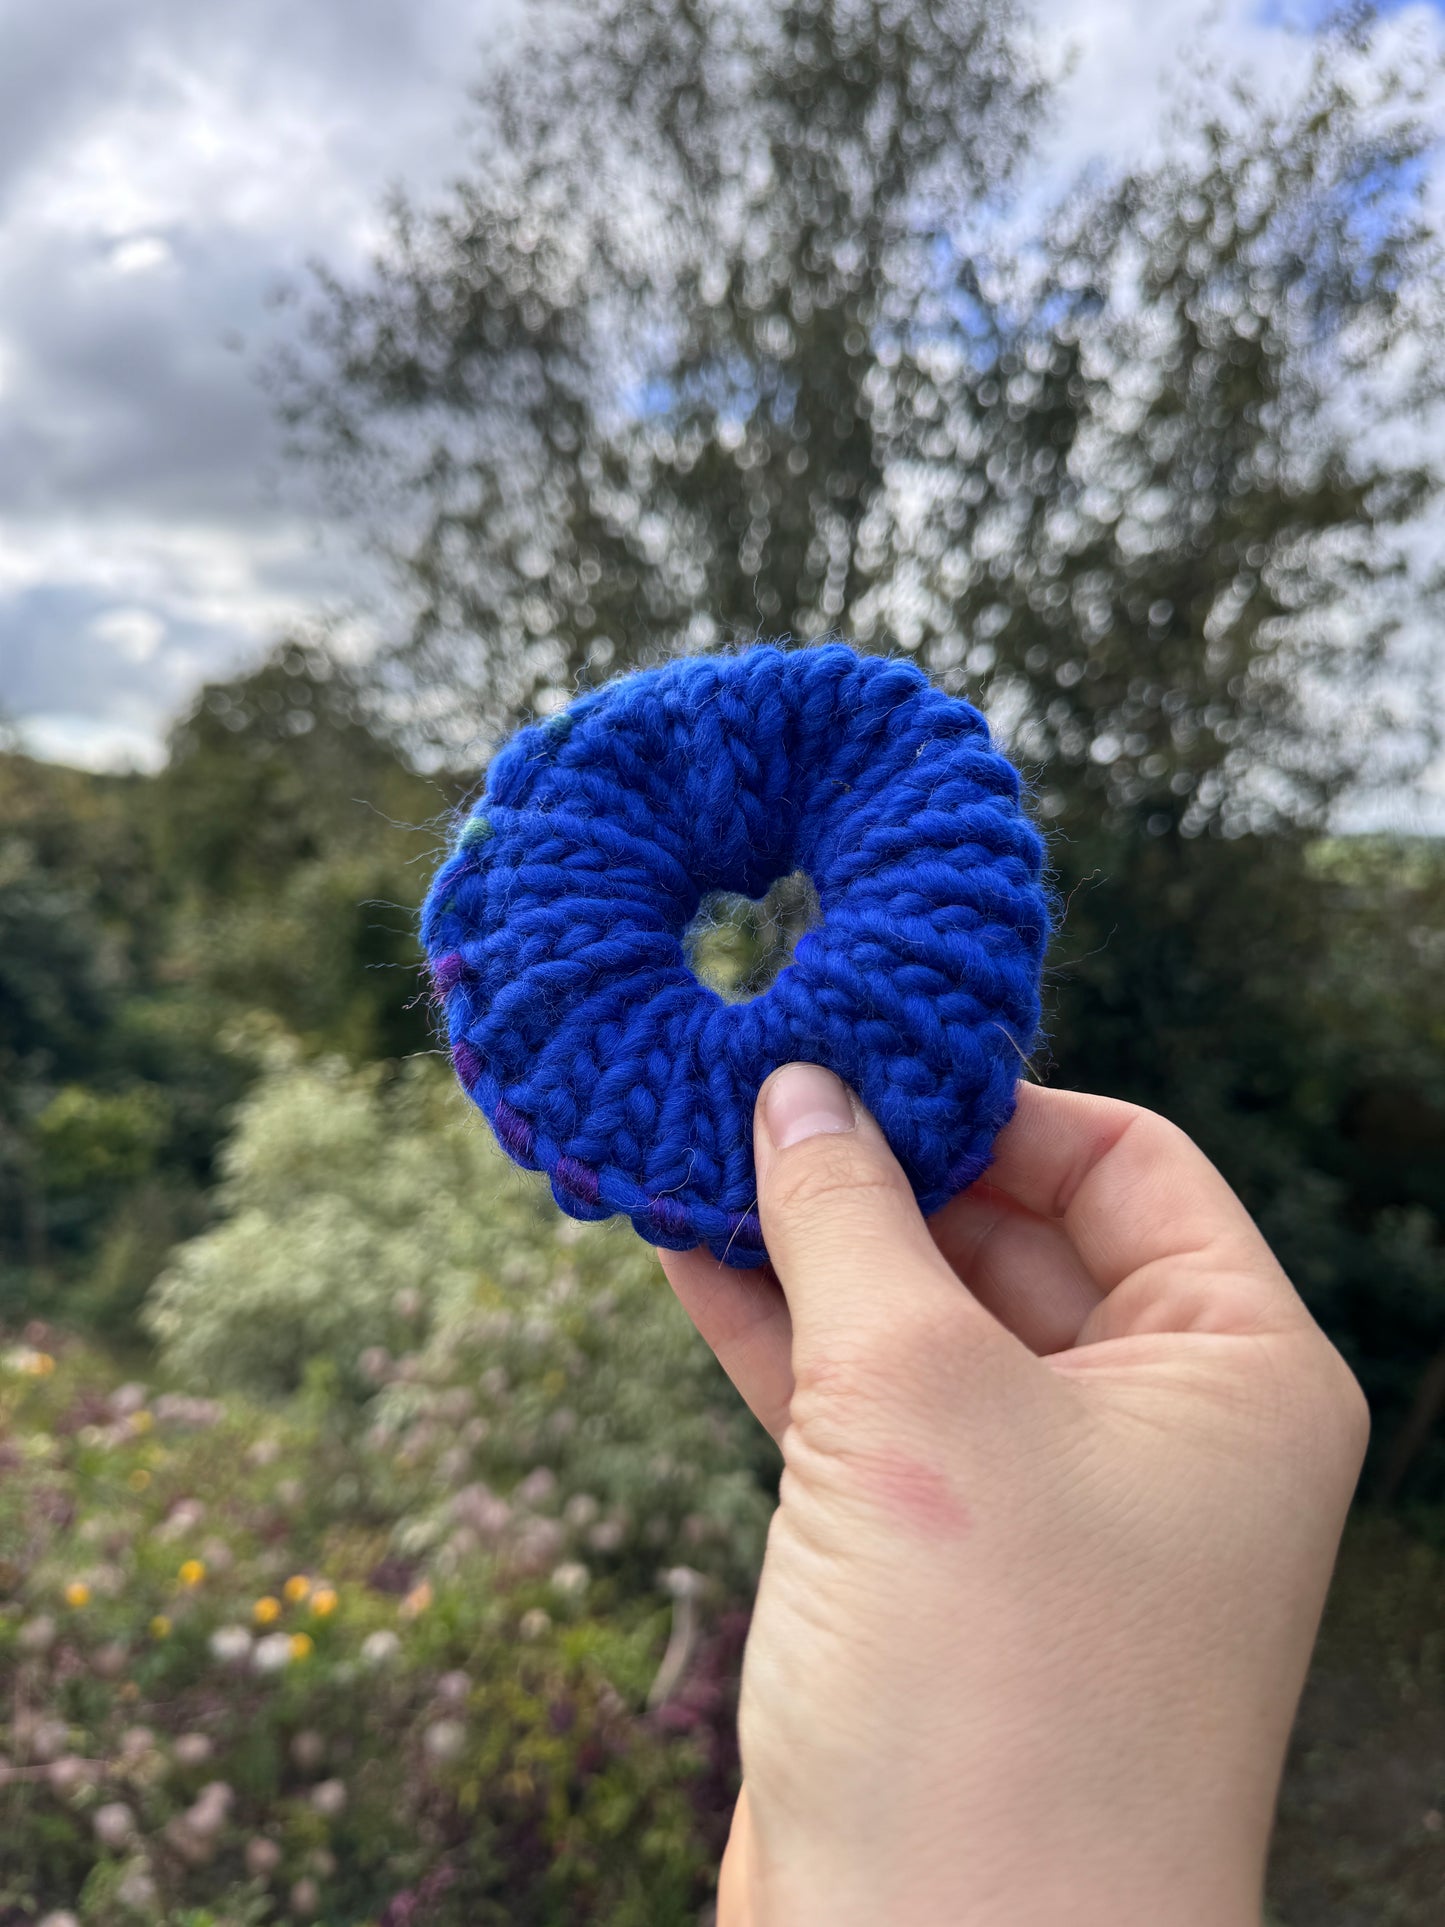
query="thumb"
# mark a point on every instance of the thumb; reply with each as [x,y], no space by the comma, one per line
[843,1229]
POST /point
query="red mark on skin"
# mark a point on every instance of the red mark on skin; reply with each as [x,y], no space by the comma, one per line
[917,1494]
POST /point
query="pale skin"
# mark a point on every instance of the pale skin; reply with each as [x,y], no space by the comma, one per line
[1065,1472]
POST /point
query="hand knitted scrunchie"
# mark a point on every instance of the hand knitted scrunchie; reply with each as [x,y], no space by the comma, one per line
[555,931]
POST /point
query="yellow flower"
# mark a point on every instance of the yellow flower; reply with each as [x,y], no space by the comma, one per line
[416,1601]
[192,1572]
[160,1627]
[139,1479]
[324,1601]
[266,1609]
[141,1421]
[38,1365]
[77,1593]
[296,1587]
[302,1646]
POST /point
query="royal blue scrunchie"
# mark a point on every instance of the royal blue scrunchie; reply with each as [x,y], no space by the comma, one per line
[555,929]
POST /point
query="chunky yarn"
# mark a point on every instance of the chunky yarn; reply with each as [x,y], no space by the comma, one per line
[555,931]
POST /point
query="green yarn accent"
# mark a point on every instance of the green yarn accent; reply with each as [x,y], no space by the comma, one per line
[476,830]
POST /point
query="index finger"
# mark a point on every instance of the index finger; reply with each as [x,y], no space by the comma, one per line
[1142,1205]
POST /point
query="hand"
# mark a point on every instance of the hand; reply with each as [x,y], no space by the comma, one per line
[1065,1471]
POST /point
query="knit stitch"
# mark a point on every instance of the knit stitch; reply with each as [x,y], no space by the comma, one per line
[555,928]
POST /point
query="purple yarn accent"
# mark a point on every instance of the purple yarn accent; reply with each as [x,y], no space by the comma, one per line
[515,1133]
[448,971]
[580,1179]
[671,1218]
[749,1230]
[469,1065]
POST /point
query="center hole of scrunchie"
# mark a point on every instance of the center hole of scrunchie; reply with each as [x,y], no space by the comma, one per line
[737,945]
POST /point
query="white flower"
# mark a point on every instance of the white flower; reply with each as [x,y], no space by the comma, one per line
[231,1644]
[444,1741]
[454,1688]
[682,1582]
[192,1749]
[308,1749]
[37,1635]
[305,1899]
[581,1510]
[114,1824]
[538,1486]
[534,1623]
[263,1857]
[380,1647]
[571,1579]
[607,1535]
[138,1892]
[329,1798]
[61,1919]
[273,1653]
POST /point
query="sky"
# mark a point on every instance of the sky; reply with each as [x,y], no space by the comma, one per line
[165,172]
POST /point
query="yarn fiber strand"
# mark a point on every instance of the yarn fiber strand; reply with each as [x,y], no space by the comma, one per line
[554,931]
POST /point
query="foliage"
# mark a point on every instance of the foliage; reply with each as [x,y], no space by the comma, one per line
[268,867]
[348,1657]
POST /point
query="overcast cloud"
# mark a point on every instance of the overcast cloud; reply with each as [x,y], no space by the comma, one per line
[163,169]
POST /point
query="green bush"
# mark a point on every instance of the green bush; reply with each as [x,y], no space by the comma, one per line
[378,1636]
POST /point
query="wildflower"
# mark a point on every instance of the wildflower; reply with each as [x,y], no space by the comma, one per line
[192,1749]
[266,1610]
[537,1488]
[324,1601]
[138,1892]
[263,1857]
[61,1919]
[77,1593]
[581,1510]
[48,1739]
[571,1579]
[33,1364]
[160,1627]
[302,1646]
[192,1572]
[36,1635]
[417,1600]
[329,1798]
[69,1774]
[444,1741]
[607,1535]
[533,1624]
[109,1660]
[272,1654]
[296,1588]
[305,1898]
[379,1648]
[114,1824]
[139,1479]
[308,1749]
[141,1421]
[184,1516]
[231,1644]
[455,1688]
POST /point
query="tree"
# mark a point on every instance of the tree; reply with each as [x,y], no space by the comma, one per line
[294,841]
[618,394]
[723,334]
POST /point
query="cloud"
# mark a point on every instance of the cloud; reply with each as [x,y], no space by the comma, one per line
[164,168]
